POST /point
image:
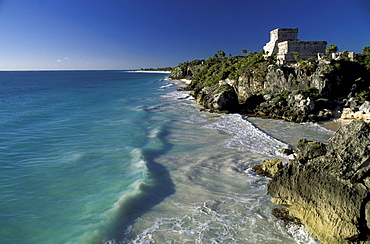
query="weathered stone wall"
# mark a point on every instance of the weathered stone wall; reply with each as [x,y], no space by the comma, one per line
[284,42]
[280,35]
[306,49]
[286,34]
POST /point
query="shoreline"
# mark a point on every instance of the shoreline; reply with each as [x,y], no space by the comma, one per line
[150,71]
[335,124]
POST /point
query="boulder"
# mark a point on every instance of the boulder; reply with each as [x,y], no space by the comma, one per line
[327,187]
[365,107]
[220,98]
[269,167]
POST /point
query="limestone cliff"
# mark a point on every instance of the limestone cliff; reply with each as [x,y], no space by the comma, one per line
[306,91]
[327,187]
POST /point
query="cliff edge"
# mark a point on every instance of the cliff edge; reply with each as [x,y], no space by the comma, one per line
[327,187]
[308,90]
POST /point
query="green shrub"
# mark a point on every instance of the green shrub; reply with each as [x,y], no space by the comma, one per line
[215,69]
[362,96]
[285,94]
[311,92]
[223,88]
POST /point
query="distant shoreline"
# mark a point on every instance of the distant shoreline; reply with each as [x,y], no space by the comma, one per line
[149,71]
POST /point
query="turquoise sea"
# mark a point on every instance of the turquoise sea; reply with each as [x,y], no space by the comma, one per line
[122,157]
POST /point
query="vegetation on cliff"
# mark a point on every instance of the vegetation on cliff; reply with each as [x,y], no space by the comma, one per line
[364,57]
[264,88]
[210,71]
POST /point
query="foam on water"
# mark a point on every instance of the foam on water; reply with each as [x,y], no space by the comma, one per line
[181,95]
[240,218]
[124,158]
[246,136]
[218,198]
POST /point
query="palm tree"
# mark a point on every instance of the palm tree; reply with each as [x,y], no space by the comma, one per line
[366,49]
[221,53]
[332,49]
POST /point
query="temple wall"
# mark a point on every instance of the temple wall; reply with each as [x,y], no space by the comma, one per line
[285,34]
[284,42]
[301,47]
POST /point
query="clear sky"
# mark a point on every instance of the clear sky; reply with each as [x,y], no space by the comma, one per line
[133,34]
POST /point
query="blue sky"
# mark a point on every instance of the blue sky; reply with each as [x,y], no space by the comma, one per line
[133,34]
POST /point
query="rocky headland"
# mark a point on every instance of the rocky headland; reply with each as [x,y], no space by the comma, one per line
[308,90]
[326,187]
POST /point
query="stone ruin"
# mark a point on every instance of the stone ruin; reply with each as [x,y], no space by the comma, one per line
[284,42]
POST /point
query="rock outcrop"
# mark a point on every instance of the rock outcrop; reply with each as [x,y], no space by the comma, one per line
[220,98]
[258,91]
[362,113]
[327,187]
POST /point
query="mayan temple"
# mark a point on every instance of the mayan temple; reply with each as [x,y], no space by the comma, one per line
[284,43]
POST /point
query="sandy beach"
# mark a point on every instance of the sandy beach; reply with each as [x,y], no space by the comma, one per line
[150,71]
[335,124]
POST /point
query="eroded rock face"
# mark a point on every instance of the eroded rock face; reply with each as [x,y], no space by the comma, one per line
[218,100]
[363,112]
[328,187]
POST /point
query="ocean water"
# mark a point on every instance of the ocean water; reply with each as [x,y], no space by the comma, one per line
[122,157]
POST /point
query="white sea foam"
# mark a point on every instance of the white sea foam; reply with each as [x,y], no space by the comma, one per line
[182,95]
[166,86]
[300,235]
[236,219]
[246,136]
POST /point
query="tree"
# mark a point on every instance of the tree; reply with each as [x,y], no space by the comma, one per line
[297,56]
[364,57]
[332,49]
[345,55]
[221,53]
[245,51]
[366,50]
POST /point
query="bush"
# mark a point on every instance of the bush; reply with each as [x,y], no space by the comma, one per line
[362,96]
[285,94]
[215,69]
[224,88]
[311,92]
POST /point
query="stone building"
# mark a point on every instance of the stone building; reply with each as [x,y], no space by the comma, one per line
[284,42]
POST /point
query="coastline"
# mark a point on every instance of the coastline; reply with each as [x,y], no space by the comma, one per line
[335,124]
[186,81]
[150,71]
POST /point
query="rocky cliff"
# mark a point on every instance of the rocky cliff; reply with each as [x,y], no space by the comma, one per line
[306,91]
[327,187]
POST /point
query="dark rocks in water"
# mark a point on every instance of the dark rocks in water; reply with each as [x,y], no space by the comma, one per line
[218,98]
[327,187]
[283,214]
[287,151]
[269,168]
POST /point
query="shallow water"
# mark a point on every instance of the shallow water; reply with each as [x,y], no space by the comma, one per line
[92,156]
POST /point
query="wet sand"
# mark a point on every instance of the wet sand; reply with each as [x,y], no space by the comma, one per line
[334,124]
